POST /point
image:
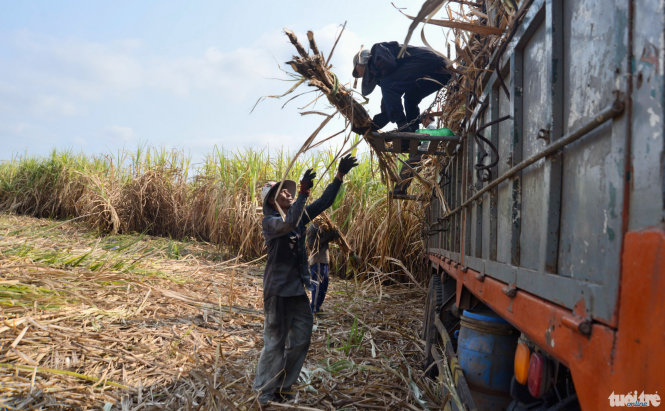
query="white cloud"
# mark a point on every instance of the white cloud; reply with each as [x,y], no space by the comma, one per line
[123,133]
[93,71]
[79,68]
[213,55]
[16,129]
[51,79]
[46,105]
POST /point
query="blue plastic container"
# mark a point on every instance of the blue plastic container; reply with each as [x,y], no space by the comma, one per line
[486,351]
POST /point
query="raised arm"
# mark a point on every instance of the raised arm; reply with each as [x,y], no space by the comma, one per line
[328,197]
[274,226]
[323,202]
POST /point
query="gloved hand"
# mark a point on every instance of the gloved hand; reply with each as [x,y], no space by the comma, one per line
[346,164]
[307,181]
[379,121]
[360,130]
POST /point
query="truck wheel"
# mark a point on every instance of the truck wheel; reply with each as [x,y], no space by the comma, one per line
[430,333]
[440,296]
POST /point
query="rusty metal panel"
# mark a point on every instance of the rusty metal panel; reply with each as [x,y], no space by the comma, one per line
[537,106]
[493,202]
[555,229]
[504,217]
[593,167]
[517,112]
[648,155]
[459,195]
[467,182]
[591,52]
[471,232]
[484,230]
[433,234]
[554,164]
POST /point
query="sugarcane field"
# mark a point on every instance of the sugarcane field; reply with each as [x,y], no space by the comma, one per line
[443,204]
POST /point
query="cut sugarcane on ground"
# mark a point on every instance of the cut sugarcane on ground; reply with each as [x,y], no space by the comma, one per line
[142,322]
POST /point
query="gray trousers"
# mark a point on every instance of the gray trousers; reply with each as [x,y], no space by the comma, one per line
[287,332]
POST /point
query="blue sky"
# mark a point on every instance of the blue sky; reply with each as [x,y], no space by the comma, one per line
[96,77]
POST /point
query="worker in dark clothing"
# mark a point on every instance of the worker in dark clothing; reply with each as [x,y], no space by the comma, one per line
[417,74]
[319,236]
[288,316]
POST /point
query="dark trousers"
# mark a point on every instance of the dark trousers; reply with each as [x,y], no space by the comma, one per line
[412,91]
[287,333]
[320,279]
[423,88]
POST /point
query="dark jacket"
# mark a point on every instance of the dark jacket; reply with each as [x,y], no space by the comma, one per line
[286,272]
[318,240]
[397,77]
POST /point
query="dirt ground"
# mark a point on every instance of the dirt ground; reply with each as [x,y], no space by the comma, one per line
[137,322]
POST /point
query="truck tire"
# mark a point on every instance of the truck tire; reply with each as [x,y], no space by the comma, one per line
[440,296]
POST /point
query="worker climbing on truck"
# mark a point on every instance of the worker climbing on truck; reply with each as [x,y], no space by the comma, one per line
[414,76]
[417,74]
[288,317]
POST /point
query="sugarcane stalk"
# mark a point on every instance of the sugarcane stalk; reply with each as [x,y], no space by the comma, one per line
[62,372]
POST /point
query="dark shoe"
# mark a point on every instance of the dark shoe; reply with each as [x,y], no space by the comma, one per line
[266,398]
[284,396]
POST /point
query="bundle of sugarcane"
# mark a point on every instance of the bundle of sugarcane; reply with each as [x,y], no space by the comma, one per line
[316,70]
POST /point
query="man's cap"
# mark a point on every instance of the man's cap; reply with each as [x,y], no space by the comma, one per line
[361,57]
[268,190]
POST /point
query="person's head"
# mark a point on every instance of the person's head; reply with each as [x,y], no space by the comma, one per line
[360,60]
[284,198]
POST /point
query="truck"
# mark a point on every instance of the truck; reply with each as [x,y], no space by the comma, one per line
[560,230]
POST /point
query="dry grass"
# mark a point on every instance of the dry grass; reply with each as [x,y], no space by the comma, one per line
[152,193]
[141,322]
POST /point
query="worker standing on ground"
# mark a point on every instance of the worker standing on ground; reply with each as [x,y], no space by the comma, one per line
[319,236]
[417,74]
[288,317]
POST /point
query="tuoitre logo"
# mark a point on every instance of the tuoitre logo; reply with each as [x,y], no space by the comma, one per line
[634,400]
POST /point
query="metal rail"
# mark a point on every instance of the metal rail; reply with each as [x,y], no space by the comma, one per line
[609,112]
